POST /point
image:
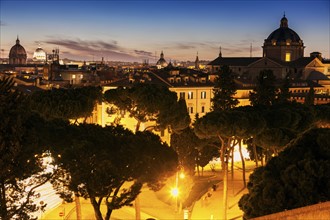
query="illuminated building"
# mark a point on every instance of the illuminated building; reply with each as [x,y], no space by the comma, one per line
[39,55]
[283,53]
[17,54]
[283,44]
[161,63]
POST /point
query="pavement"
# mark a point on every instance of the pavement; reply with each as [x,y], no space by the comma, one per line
[201,202]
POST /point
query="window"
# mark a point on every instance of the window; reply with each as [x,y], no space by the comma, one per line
[203,109]
[190,110]
[182,95]
[288,57]
[203,95]
[190,95]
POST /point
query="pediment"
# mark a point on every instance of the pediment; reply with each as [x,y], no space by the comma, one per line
[265,63]
[315,63]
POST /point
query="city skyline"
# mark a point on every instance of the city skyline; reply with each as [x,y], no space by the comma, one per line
[139,30]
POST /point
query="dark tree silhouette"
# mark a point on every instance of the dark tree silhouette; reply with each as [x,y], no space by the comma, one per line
[110,164]
[265,91]
[298,177]
[186,144]
[73,103]
[309,99]
[149,102]
[20,155]
[224,90]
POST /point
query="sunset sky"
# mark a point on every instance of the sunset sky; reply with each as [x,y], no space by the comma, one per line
[136,30]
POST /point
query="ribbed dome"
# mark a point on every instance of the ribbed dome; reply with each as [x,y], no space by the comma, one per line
[283,33]
[17,54]
[17,50]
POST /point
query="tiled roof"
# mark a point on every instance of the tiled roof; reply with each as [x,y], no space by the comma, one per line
[234,61]
[316,75]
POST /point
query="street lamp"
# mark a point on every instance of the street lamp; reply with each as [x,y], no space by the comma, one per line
[175,190]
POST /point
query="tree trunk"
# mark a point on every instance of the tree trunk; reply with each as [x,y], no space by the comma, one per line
[108,214]
[232,160]
[255,152]
[78,207]
[224,166]
[243,161]
[96,207]
[137,128]
[137,208]
[225,187]
[3,202]
[197,169]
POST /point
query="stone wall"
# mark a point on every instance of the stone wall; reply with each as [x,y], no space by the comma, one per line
[319,211]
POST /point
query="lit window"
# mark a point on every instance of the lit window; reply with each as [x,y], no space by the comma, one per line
[190,95]
[73,76]
[203,95]
[287,57]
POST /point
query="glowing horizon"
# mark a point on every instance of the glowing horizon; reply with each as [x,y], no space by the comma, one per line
[138,30]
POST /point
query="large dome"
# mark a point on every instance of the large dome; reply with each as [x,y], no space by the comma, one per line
[39,55]
[283,44]
[17,54]
[283,34]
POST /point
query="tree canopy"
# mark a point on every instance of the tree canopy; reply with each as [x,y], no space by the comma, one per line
[66,104]
[224,90]
[110,164]
[20,155]
[297,177]
[150,102]
[265,91]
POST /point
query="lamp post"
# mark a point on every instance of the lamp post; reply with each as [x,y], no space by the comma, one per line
[175,191]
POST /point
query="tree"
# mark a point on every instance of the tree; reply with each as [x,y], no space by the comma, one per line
[206,154]
[224,90]
[309,99]
[73,103]
[265,91]
[110,164]
[150,102]
[186,144]
[20,155]
[297,177]
[229,126]
[283,95]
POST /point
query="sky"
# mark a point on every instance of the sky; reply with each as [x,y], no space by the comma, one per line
[122,30]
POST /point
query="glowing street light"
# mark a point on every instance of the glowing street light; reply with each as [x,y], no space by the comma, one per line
[175,192]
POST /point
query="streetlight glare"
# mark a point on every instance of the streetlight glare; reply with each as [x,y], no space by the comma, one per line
[175,192]
[182,176]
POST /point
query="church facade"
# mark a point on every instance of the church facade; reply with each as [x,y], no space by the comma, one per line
[283,53]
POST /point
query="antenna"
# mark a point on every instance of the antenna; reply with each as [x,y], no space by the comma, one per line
[251,50]
[155,56]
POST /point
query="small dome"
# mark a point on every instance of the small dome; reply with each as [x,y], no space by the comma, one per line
[17,54]
[39,55]
[283,34]
[161,62]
